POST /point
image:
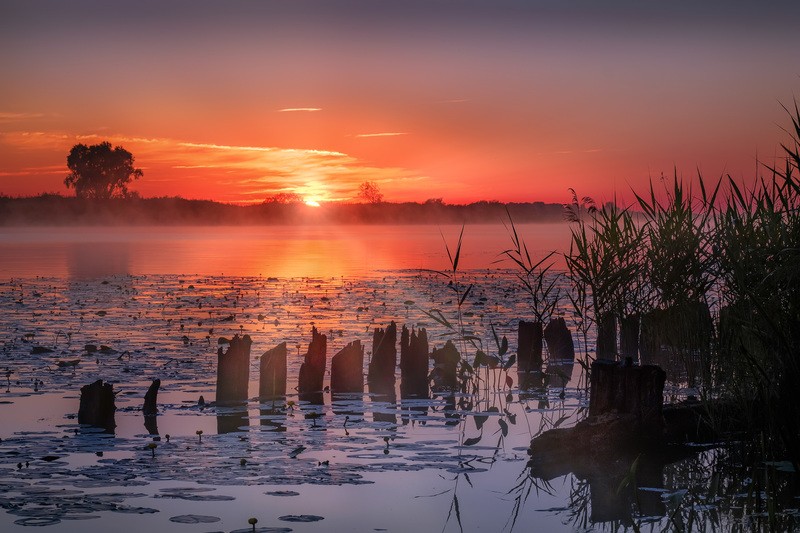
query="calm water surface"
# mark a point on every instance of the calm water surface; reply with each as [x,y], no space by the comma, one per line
[279,251]
[159,298]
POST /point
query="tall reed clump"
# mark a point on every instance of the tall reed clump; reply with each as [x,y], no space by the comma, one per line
[604,266]
[706,284]
[678,266]
[757,248]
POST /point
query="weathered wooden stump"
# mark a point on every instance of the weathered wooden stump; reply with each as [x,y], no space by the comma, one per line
[233,371]
[414,359]
[347,369]
[625,417]
[312,371]
[151,425]
[384,360]
[97,405]
[150,407]
[445,366]
[559,340]
[607,337]
[629,337]
[529,346]
[272,373]
[625,389]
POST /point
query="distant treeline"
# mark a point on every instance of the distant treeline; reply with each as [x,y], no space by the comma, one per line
[53,209]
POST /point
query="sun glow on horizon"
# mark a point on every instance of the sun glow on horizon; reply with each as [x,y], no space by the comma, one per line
[311,202]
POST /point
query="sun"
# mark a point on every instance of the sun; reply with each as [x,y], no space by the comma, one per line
[311,202]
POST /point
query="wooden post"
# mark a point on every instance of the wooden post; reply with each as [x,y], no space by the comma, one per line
[312,371]
[529,346]
[652,336]
[97,405]
[414,359]
[607,337]
[347,369]
[559,340]
[150,407]
[272,373]
[384,360]
[629,337]
[233,371]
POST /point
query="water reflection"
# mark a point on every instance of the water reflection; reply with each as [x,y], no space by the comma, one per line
[232,419]
[273,418]
[279,251]
[94,260]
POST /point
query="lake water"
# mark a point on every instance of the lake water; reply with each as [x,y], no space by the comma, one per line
[270,251]
[159,298]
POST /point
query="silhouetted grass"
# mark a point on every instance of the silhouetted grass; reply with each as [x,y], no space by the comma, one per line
[710,281]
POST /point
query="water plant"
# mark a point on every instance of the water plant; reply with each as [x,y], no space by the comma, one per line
[703,280]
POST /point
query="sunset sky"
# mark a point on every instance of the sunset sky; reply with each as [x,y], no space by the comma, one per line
[464,100]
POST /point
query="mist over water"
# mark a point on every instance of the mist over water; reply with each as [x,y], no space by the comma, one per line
[272,251]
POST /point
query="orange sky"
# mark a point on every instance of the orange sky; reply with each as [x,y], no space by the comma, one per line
[511,101]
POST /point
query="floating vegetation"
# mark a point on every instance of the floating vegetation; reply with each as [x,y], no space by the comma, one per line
[301,518]
[286,448]
[194,519]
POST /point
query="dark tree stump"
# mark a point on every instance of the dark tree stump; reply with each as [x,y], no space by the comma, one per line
[529,347]
[559,340]
[607,337]
[150,407]
[623,389]
[414,359]
[97,405]
[445,366]
[272,373]
[347,369]
[312,371]
[151,425]
[233,371]
[629,337]
[384,360]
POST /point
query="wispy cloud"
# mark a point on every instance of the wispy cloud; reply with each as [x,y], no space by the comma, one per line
[386,134]
[294,109]
[227,172]
[6,116]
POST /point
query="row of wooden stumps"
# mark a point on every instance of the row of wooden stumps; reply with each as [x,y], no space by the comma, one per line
[347,376]
[347,365]
[97,407]
[233,369]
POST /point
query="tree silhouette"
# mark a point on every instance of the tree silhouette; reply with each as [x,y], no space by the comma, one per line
[284,198]
[369,192]
[100,172]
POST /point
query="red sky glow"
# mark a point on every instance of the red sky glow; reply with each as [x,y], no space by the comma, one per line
[465,101]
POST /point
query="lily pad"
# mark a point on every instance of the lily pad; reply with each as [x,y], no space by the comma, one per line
[301,518]
[194,519]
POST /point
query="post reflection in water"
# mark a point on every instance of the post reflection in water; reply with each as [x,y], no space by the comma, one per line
[232,419]
[275,415]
